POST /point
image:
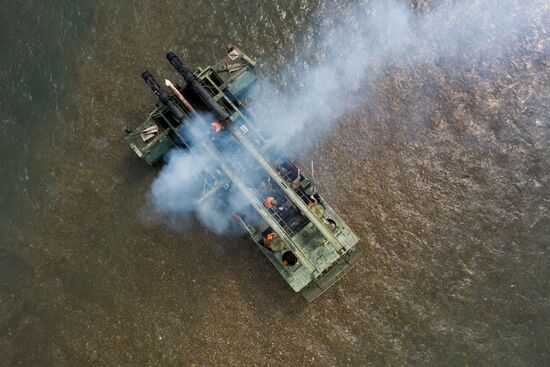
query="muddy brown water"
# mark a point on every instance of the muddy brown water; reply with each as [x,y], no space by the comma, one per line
[451,203]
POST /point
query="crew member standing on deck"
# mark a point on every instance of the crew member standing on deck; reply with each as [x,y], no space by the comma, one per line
[270,202]
[216,127]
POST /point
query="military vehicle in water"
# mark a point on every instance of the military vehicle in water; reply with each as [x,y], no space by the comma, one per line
[292,224]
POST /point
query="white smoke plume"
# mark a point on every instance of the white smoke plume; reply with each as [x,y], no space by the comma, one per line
[368,39]
[179,186]
[177,190]
[357,46]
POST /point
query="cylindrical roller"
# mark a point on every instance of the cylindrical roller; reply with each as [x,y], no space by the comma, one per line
[191,79]
[163,96]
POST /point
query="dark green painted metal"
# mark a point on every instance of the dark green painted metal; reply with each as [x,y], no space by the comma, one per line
[321,284]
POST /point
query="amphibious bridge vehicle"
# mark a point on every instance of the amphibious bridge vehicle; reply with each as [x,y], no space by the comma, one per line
[298,231]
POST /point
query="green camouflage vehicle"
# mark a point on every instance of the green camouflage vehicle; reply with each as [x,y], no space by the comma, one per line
[298,231]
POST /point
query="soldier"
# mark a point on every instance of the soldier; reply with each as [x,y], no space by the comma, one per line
[270,202]
[272,242]
[217,127]
[271,236]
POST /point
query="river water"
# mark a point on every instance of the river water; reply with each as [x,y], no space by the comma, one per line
[443,172]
